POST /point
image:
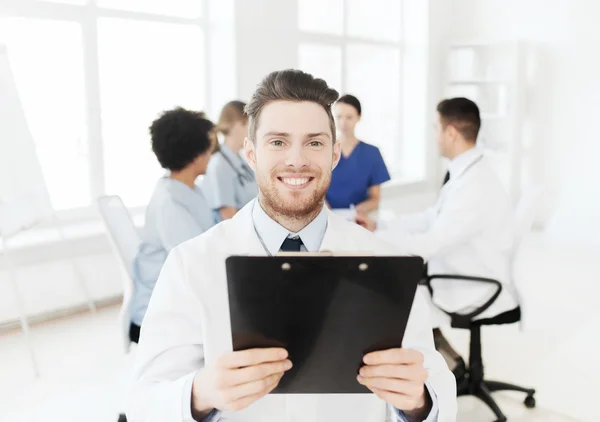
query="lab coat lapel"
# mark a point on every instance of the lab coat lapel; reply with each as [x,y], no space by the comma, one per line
[335,239]
[244,241]
[243,237]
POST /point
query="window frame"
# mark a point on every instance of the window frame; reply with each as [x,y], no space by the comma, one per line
[342,41]
[87,16]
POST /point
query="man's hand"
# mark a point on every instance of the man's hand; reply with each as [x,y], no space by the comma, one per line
[237,380]
[366,222]
[398,377]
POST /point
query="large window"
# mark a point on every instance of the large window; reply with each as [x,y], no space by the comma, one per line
[92,75]
[163,75]
[47,61]
[359,47]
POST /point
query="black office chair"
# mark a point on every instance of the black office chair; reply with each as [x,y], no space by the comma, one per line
[473,383]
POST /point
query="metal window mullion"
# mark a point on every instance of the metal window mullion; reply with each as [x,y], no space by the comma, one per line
[344,45]
[93,104]
[206,36]
[402,47]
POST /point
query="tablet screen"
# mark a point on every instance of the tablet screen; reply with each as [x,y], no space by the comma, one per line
[328,312]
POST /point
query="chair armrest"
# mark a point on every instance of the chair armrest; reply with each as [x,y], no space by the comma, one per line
[461,318]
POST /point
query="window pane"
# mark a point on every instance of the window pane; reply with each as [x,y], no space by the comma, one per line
[322,61]
[145,68]
[416,132]
[181,8]
[373,75]
[47,62]
[374,19]
[325,17]
[222,60]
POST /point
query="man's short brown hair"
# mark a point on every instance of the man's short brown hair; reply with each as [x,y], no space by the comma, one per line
[290,85]
[463,114]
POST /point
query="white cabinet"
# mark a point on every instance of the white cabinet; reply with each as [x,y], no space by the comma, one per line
[494,76]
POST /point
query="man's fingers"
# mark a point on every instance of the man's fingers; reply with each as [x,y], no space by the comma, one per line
[246,401]
[258,387]
[406,372]
[254,373]
[251,357]
[400,401]
[394,356]
[393,385]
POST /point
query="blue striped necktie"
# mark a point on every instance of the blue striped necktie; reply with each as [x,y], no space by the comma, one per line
[291,245]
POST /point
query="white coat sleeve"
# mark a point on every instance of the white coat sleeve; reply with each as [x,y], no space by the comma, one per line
[464,214]
[405,225]
[417,222]
[441,382]
[170,350]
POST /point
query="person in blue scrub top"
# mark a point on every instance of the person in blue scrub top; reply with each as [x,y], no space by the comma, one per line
[183,142]
[356,181]
[230,183]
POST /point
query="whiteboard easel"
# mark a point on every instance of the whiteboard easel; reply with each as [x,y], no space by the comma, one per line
[24,198]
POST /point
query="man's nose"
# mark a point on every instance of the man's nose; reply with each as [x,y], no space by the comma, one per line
[297,158]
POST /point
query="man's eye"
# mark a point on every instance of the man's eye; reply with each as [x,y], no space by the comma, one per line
[277,143]
[316,143]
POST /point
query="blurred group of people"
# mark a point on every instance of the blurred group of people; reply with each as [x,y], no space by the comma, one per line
[208,180]
[467,231]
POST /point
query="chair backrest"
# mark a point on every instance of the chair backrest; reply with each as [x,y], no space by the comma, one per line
[125,241]
[121,229]
[525,213]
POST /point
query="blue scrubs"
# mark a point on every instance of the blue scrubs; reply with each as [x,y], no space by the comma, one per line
[176,213]
[355,174]
[229,181]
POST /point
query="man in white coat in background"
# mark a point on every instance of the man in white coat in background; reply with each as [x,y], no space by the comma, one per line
[186,370]
[469,230]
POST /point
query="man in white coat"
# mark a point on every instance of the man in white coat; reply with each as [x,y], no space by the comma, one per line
[469,230]
[186,370]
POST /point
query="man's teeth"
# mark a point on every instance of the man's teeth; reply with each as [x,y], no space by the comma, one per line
[295,181]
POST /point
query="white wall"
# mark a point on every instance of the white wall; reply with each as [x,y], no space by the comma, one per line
[48,282]
[267,40]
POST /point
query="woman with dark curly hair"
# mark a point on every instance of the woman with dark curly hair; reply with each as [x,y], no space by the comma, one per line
[183,142]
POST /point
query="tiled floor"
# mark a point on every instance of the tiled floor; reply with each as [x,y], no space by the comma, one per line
[82,369]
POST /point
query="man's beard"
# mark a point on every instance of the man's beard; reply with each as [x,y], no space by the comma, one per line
[299,209]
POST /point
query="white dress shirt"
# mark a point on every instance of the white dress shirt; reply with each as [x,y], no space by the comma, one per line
[469,231]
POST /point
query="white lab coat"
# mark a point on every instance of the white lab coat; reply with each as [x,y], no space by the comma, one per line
[469,231]
[187,325]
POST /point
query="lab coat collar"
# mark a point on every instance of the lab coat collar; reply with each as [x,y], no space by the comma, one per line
[463,161]
[334,238]
[273,234]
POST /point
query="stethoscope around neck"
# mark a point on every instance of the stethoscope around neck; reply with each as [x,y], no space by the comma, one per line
[244,176]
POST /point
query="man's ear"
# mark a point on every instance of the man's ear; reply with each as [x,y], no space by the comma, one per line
[337,154]
[250,153]
[453,133]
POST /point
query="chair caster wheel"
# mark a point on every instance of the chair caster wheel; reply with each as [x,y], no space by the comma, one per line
[530,402]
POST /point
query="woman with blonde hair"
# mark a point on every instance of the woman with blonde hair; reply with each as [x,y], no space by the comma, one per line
[230,183]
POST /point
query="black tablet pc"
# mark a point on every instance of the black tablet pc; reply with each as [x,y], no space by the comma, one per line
[327,311]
